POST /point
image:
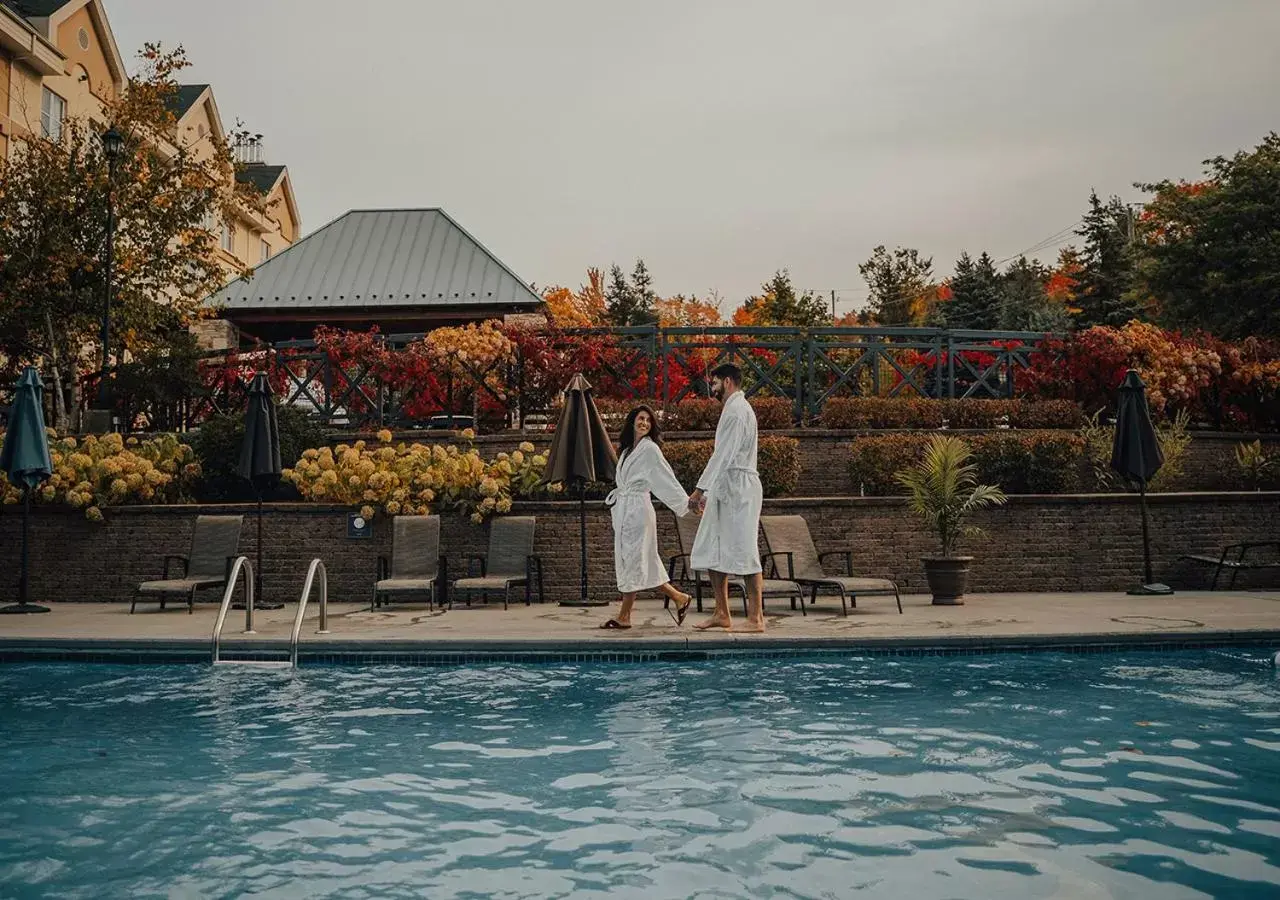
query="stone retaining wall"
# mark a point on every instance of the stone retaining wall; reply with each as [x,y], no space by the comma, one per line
[1068,543]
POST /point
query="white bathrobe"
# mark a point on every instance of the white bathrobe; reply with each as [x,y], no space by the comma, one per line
[641,471]
[726,540]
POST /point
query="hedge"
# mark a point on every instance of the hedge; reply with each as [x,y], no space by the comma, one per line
[777,459]
[699,414]
[1021,462]
[842,413]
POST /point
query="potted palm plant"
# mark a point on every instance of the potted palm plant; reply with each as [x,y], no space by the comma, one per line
[944,490]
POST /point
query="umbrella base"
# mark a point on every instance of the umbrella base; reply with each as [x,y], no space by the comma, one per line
[584,603]
[18,609]
[1150,590]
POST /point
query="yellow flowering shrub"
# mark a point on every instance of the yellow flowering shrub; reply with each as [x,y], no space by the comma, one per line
[92,473]
[415,479]
[471,350]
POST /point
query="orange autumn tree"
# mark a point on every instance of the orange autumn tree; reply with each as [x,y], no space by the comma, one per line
[1065,280]
[53,199]
[583,308]
[687,312]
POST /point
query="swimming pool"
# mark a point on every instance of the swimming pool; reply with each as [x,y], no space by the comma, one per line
[1115,775]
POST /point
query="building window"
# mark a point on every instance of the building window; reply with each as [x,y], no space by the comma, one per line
[53,109]
[266,251]
[228,237]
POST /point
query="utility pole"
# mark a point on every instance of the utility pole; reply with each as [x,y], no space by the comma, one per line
[833,306]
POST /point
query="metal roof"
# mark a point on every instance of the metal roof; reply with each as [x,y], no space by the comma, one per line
[380,258]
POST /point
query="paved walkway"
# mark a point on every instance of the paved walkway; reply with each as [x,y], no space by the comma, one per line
[1197,615]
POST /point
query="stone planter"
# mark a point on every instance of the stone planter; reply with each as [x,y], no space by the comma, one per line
[948,579]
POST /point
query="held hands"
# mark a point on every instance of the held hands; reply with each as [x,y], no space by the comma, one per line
[697,502]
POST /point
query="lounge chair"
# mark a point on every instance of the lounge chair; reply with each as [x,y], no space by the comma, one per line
[214,543]
[415,565]
[679,572]
[1233,559]
[789,536]
[509,562]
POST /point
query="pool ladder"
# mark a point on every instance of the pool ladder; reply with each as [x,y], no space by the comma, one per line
[242,563]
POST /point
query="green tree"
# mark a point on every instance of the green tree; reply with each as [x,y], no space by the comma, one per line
[1024,301]
[1106,284]
[898,282]
[630,302]
[53,201]
[1211,250]
[975,294]
[778,304]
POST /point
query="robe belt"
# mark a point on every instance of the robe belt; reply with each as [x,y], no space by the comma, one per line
[617,492]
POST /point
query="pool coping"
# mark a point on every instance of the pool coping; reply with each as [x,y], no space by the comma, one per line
[690,649]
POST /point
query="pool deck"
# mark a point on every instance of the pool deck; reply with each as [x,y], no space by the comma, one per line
[993,621]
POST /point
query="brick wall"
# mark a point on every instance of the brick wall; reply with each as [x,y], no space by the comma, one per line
[1070,543]
[824,457]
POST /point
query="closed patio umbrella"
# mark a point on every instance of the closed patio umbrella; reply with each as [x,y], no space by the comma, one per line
[1136,456]
[260,460]
[25,460]
[580,452]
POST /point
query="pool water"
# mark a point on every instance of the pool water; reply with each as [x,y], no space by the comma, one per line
[1137,775]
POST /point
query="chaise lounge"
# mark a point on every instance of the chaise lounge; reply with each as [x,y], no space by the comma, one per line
[214,544]
[789,536]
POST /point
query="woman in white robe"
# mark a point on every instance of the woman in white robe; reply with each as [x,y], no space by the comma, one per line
[642,471]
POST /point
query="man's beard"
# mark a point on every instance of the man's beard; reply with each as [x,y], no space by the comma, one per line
[718,393]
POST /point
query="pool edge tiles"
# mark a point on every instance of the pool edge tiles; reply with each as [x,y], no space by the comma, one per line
[452,653]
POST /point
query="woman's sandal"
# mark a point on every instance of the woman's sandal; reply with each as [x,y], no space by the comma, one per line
[681,610]
[614,624]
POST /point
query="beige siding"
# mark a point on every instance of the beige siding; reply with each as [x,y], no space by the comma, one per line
[81,61]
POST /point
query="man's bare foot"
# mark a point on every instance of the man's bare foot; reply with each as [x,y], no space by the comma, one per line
[714,622]
[751,627]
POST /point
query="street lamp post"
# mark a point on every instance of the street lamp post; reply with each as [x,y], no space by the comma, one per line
[112,146]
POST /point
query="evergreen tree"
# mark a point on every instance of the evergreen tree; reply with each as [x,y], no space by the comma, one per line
[630,303]
[1024,303]
[1105,293]
[646,298]
[976,294]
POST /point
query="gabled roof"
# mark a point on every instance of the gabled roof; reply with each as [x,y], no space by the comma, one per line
[186,96]
[380,258]
[47,15]
[261,176]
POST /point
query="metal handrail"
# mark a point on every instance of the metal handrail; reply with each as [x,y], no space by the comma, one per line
[316,565]
[241,562]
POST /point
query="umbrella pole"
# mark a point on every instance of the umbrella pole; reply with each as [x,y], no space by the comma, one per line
[1149,586]
[24,585]
[260,602]
[22,606]
[1146,536]
[257,573]
[582,522]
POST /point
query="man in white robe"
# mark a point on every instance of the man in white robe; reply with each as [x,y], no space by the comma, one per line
[729,496]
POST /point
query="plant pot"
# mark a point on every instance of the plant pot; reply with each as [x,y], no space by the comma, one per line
[948,579]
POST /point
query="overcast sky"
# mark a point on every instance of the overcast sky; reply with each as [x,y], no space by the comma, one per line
[722,139]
